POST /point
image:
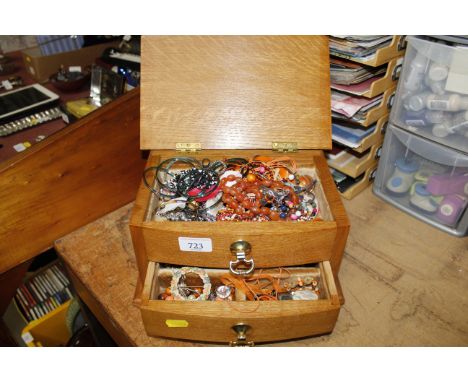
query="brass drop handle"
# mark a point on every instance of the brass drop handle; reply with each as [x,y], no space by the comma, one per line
[241,330]
[241,249]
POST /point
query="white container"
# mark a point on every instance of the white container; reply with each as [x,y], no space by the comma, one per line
[426,179]
[434,78]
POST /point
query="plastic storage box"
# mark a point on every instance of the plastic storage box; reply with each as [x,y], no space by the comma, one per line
[432,95]
[425,179]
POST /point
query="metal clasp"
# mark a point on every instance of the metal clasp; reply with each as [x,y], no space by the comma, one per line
[241,249]
[241,330]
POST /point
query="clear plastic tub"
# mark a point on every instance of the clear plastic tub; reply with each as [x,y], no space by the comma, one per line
[432,95]
[425,179]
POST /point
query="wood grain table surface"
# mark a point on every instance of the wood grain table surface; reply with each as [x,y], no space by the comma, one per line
[405,283]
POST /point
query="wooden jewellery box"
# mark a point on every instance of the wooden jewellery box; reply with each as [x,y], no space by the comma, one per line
[220,97]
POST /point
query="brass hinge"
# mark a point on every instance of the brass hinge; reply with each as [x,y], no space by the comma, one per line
[188,147]
[284,146]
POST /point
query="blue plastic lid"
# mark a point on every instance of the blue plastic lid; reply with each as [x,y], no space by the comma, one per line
[421,190]
[407,166]
[396,181]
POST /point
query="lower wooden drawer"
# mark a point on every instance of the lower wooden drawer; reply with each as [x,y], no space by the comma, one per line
[240,322]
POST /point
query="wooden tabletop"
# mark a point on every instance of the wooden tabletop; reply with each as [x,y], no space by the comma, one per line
[405,283]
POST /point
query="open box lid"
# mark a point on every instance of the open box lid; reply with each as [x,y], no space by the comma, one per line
[235,92]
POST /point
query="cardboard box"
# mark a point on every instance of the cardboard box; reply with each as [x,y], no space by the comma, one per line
[42,67]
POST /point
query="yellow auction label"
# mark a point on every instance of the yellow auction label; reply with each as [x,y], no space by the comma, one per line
[177,323]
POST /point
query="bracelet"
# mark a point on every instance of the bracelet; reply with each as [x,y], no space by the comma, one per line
[165,167]
[180,291]
[261,189]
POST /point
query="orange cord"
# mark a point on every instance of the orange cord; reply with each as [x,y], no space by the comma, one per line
[253,287]
[258,287]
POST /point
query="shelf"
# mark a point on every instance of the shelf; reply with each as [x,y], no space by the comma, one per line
[354,165]
[388,81]
[376,137]
[378,111]
[383,55]
[385,105]
[360,186]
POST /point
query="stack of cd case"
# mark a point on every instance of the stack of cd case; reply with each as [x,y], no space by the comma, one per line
[42,293]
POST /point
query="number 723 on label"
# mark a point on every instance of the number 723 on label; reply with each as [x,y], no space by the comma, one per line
[195,244]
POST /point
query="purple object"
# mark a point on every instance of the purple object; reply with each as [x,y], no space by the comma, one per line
[450,209]
[448,184]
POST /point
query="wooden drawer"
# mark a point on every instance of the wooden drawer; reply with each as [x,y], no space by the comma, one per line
[274,244]
[215,321]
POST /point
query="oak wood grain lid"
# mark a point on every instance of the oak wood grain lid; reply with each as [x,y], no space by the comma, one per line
[235,92]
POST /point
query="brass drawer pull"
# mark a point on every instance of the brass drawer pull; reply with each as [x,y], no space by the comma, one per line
[241,330]
[241,249]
